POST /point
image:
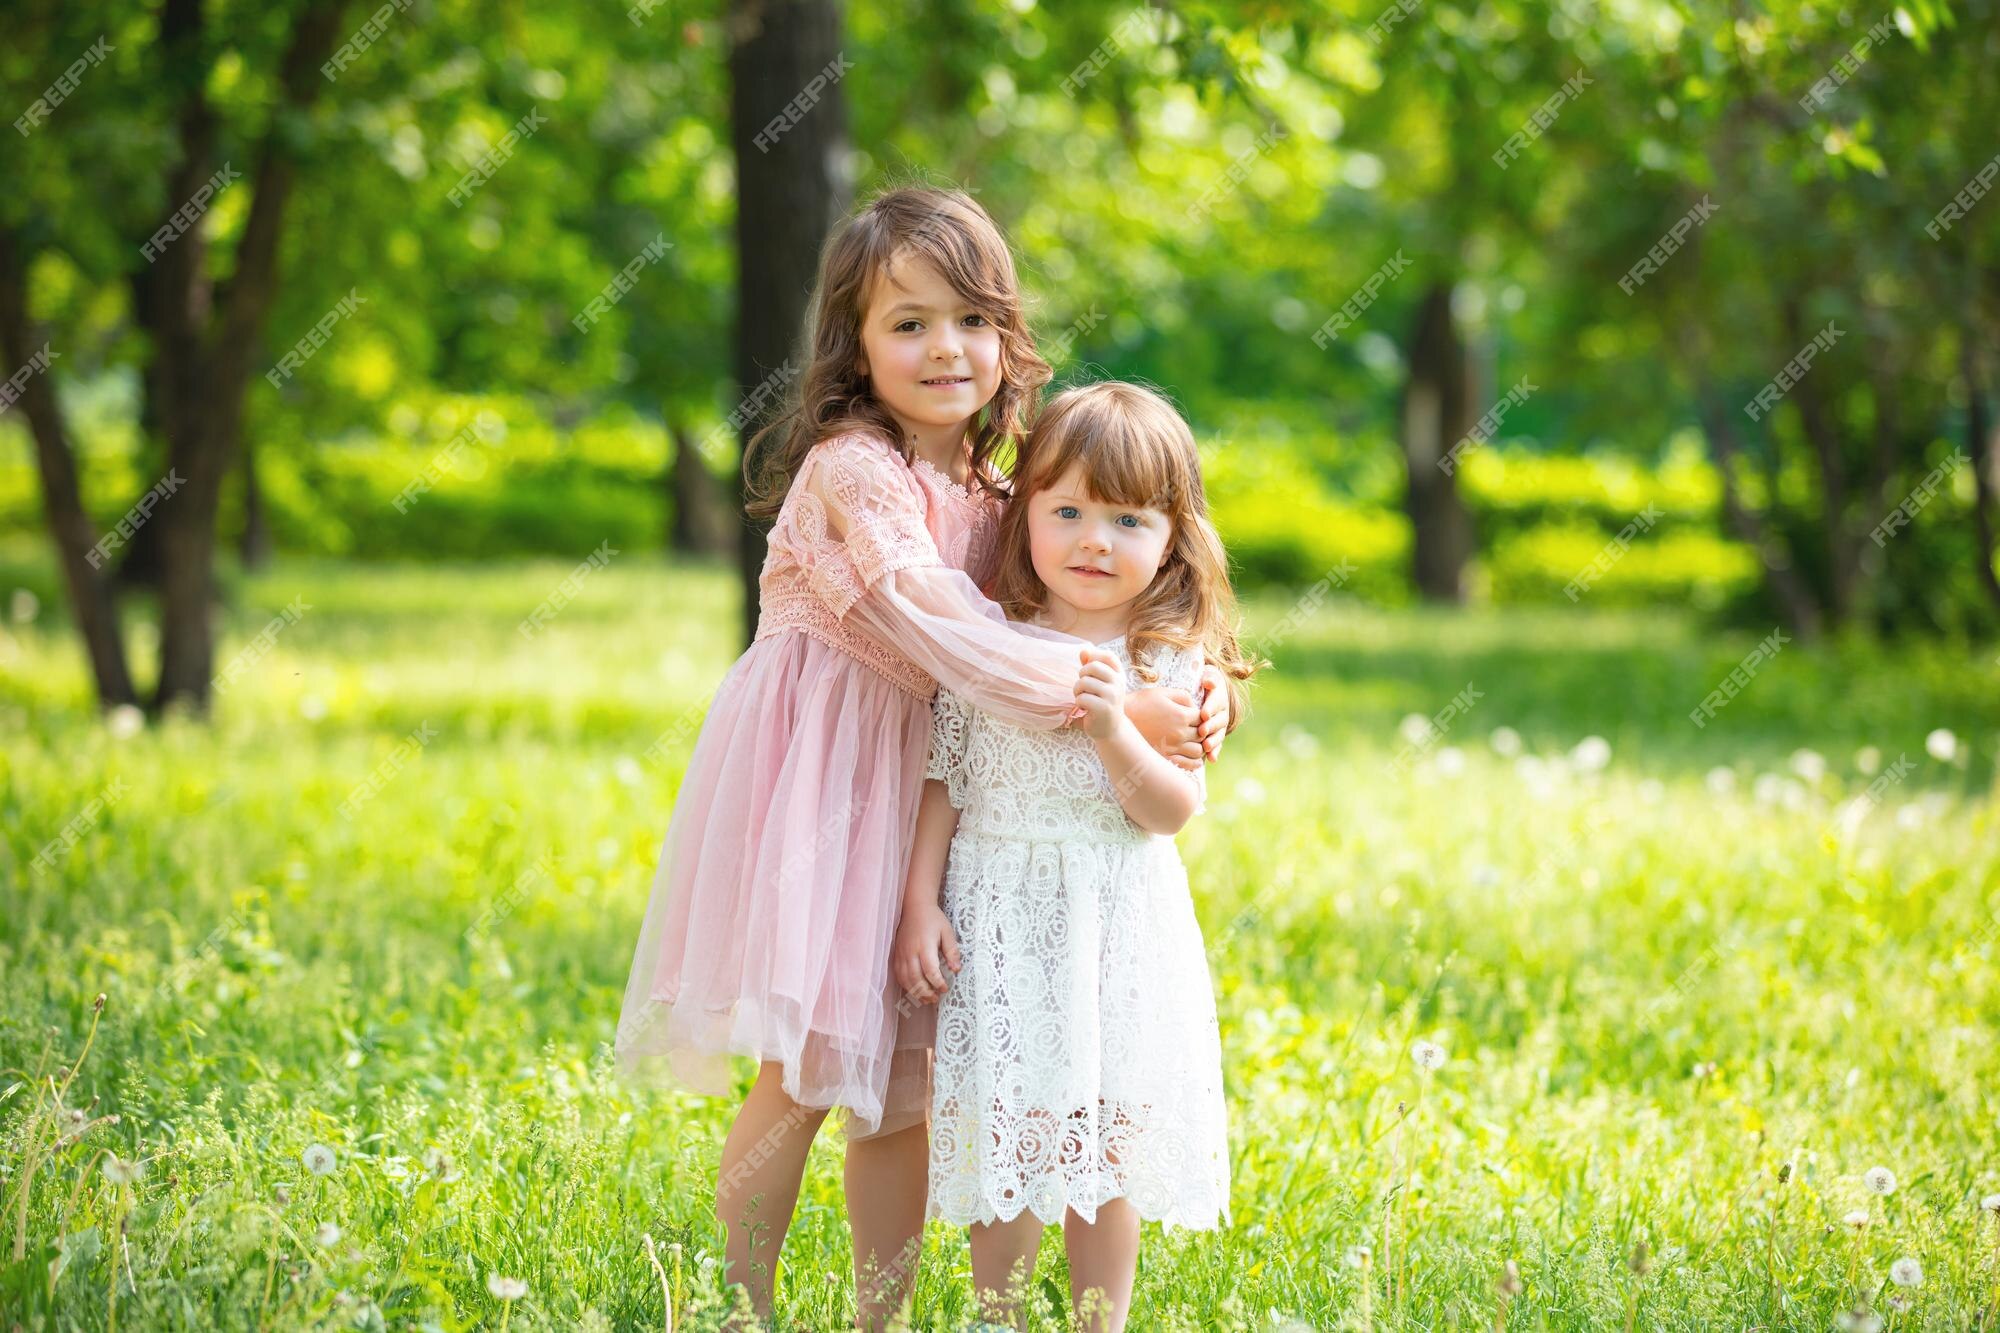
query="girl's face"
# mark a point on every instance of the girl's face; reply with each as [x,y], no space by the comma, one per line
[932,359]
[1094,555]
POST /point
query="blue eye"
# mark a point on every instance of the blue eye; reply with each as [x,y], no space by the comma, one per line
[1065,511]
[1134,517]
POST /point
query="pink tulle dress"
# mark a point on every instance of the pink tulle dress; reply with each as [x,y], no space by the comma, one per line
[780,881]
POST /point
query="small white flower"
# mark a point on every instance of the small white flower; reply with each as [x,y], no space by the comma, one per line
[1591,754]
[1414,728]
[125,721]
[1857,1219]
[1810,765]
[1943,746]
[1991,1203]
[506,1288]
[121,1172]
[1450,763]
[1858,1321]
[1428,1055]
[1721,781]
[1881,1180]
[319,1159]
[326,1235]
[1906,1272]
[439,1164]
[1769,788]
[1505,741]
[1359,1256]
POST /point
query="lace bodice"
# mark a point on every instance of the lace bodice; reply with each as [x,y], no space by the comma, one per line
[1009,782]
[855,512]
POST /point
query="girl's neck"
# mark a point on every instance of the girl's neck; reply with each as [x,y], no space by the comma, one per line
[943,447]
[1094,626]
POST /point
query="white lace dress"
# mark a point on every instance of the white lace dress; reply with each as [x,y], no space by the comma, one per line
[1077,1058]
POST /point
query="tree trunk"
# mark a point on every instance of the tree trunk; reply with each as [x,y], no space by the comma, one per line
[1794,598]
[1436,414]
[209,373]
[254,547]
[1982,449]
[791,187]
[696,526]
[1843,551]
[91,598]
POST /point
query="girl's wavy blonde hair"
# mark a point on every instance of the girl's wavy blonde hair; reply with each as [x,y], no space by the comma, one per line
[1132,448]
[952,232]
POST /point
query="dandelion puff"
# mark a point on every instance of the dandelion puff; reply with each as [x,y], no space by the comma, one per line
[1720,781]
[1991,1203]
[1505,741]
[125,721]
[506,1288]
[1880,1180]
[1809,765]
[1428,1055]
[326,1235]
[319,1159]
[1591,754]
[1857,1219]
[1942,745]
[1359,1256]
[121,1172]
[1906,1272]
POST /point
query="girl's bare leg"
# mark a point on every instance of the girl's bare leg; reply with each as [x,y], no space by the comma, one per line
[996,1250]
[887,1179]
[1103,1258]
[757,1183]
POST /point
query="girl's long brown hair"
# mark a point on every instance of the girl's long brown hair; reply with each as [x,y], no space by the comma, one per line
[952,232]
[1132,448]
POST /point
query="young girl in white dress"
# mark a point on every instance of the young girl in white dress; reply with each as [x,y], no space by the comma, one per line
[1078,1070]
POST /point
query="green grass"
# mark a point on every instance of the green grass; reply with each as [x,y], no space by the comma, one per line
[1655,984]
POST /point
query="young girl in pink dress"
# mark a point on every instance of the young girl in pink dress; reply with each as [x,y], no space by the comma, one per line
[779,883]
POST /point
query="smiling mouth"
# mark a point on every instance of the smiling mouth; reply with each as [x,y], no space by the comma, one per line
[1086,571]
[948,381]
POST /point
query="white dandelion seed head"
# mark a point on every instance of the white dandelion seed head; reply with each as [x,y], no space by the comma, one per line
[506,1288]
[1721,781]
[326,1235]
[1858,1321]
[125,721]
[1856,1219]
[1809,765]
[1504,741]
[1991,1203]
[1428,1055]
[319,1159]
[1942,745]
[1880,1180]
[1415,728]
[1590,754]
[1359,1256]
[121,1172]
[1450,761]
[1906,1272]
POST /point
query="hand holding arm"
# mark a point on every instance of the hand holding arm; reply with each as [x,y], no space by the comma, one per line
[1158,797]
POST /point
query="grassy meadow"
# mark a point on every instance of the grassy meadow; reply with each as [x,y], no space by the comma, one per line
[1691,983]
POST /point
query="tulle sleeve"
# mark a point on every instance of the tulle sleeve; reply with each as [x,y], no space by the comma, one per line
[951,725]
[881,574]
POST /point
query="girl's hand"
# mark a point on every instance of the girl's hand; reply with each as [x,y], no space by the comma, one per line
[924,938]
[1100,693]
[1167,719]
[1214,723]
